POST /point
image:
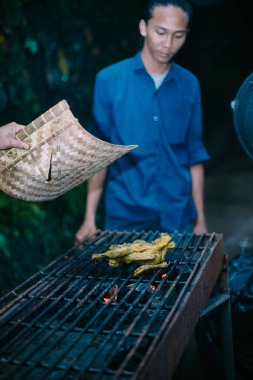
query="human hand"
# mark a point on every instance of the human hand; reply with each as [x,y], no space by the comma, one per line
[8,136]
[200,227]
[88,228]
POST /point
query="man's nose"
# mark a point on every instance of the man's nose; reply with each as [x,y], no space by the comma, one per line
[168,41]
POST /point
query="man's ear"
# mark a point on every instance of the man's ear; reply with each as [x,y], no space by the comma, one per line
[143,28]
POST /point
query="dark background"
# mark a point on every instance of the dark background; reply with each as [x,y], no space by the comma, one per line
[51,50]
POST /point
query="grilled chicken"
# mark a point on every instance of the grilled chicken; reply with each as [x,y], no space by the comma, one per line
[149,255]
[147,267]
[123,249]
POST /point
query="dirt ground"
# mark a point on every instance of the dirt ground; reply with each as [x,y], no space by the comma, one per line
[229,201]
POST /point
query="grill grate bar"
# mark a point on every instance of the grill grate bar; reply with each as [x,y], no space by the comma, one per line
[20,294]
[37,290]
[131,327]
[117,326]
[100,329]
[62,327]
[40,331]
[30,310]
[181,299]
[47,324]
[152,319]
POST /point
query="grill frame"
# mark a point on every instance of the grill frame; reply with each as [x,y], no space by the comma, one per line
[181,320]
[169,349]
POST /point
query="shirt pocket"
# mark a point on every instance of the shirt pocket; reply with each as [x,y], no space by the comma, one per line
[176,128]
[175,134]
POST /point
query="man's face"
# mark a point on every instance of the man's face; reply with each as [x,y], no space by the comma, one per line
[165,33]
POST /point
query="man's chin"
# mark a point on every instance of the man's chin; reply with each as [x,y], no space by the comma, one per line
[164,58]
[164,61]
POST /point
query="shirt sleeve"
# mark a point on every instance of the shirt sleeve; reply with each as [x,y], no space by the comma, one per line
[101,112]
[197,152]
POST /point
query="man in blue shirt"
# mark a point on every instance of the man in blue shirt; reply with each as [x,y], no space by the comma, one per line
[151,101]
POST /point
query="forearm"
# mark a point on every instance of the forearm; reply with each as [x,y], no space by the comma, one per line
[197,173]
[95,189]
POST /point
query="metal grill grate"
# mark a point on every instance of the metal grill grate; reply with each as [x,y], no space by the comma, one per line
[57,324]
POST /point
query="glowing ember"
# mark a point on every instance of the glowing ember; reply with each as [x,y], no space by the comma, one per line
[154,287]
[110,294]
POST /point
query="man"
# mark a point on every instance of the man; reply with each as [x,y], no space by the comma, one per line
[151,101]
[8,136]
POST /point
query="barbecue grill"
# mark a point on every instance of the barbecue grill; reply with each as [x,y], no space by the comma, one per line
[81,319]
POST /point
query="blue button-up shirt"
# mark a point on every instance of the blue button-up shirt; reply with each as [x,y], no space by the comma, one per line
[153,179]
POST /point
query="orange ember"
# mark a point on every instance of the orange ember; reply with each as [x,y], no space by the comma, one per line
[110,293]
[108,299]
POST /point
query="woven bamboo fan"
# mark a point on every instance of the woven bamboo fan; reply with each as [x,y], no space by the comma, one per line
[62,155]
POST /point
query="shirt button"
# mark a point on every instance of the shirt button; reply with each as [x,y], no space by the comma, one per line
[155,118]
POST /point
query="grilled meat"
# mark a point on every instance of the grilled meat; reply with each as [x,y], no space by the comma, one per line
[123,249]
[149,255]
[147,267]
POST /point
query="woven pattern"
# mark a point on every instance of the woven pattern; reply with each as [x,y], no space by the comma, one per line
[62,155]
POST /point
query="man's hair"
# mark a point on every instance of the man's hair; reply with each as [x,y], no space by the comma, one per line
[152,4]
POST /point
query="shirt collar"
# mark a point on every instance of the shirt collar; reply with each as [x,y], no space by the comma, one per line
[137,62]
[138,65]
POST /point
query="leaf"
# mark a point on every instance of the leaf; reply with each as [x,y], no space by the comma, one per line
[5,200]
[4,246]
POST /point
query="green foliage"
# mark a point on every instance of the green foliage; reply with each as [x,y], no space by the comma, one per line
[52,50]
[49,51]
[32,234]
